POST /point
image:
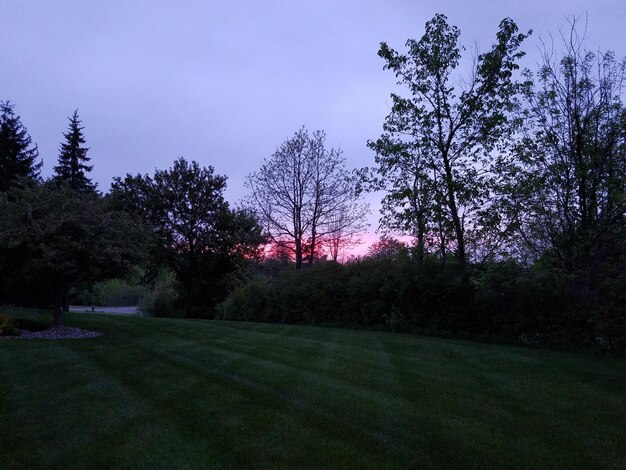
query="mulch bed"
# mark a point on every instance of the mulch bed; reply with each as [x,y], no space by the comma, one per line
[62,332]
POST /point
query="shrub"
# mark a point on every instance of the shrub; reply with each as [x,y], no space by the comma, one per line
[112,292]
[119,293]
[161,300]
[8,325]
[248,302]
[497,299]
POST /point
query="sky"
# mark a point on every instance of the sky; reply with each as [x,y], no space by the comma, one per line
[225,82]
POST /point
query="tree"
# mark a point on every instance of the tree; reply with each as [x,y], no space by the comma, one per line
[18,156]
[387,247]
[343,235]
[72,167]
[51,236]
[435,155]
[197,234]
[303,196]
[570,182]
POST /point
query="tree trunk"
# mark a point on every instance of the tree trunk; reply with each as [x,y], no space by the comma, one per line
[58,307]
[298,253]
[456,221]
[421,242]
[66,299]
[313,241]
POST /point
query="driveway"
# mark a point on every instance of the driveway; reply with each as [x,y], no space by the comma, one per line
[129,310]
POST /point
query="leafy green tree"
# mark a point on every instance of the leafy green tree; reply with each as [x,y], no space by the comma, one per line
[18,155]
[197,234]
[52,236]
[72,167]
[570,181]
[435,155]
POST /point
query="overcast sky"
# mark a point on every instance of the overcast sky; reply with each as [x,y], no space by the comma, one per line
[225,82]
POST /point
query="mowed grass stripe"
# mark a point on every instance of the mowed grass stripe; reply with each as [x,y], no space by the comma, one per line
[376,408]
[198,369]
[194,350]
[279,393]
[225,394]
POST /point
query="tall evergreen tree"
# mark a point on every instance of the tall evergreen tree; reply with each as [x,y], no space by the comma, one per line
[18,156]
[72,167]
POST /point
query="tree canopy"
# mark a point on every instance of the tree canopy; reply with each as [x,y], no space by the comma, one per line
[197,234]
[18,155]
[435,155]
[51,236]
[72,167]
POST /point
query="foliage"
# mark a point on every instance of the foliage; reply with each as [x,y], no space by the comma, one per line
[18,156]
[364,292]
[112,292]
[305,200]
[118,293]
[570,178]
[72,167]
[52,236]
[566,182]
[538,304]
[387,247]
[161,300]
[196,234]
[8,325]
[435,156]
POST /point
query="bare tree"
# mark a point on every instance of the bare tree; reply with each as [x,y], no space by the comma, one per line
[303,196]
[345,229]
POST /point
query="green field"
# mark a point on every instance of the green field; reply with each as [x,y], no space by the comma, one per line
[158,393]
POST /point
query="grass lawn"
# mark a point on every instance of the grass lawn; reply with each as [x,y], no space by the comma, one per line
[159,393]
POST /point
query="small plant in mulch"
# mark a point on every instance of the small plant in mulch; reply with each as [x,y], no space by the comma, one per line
[8,325]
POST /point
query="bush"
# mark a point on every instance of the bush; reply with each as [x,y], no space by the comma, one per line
[249,302]
[161,300]
[112,292]
[396,292]
[497,299]
[8,325]
[118,293]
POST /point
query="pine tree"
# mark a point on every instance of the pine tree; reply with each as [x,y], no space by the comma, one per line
[72,167]
[18,156]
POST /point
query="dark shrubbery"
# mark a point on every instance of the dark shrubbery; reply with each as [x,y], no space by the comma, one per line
[110,293]
[395,292]
[161,299]
[502,300]
[8,325]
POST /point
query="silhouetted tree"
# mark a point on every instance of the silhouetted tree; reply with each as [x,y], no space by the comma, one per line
[387,247]
[198,235]
[435,156]
[342,235]
[51,236]
[303,195]
[72,167]
[18,156]
[570,184]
